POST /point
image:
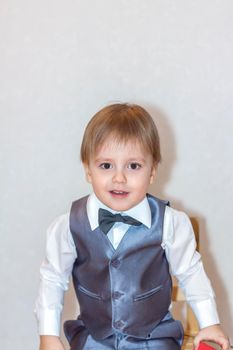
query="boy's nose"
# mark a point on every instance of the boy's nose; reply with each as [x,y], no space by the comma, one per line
[119,176]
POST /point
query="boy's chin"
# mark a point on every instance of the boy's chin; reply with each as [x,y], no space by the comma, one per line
[118,203]
[122,206]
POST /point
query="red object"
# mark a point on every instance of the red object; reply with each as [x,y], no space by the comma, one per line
[204,346]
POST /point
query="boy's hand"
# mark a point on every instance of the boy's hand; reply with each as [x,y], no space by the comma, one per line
[50,342]
[212,333]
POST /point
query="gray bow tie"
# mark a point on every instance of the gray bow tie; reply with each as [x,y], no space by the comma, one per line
[107,220]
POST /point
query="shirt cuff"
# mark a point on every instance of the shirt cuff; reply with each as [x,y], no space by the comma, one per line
[49,322]
[205,312]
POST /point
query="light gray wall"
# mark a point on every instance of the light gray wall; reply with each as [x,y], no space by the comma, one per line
[61,61]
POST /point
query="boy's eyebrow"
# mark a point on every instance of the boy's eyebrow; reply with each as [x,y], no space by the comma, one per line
[103,159]
[133,159]
[137,159]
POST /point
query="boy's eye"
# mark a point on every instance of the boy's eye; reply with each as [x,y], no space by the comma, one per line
[106,166]
[134,166]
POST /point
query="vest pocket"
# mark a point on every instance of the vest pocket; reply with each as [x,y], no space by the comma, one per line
[148,293]
[89,293]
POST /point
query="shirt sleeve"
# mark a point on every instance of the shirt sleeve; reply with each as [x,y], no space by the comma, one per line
[186,265]
[55,273]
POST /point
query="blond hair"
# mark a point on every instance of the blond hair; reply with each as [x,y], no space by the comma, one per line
[124,122]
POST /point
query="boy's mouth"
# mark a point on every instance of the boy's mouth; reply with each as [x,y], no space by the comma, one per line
[116,193]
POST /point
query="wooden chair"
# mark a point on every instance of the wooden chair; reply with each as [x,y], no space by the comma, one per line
[182,310]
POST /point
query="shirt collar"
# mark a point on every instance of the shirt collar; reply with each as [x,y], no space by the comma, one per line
[140,212]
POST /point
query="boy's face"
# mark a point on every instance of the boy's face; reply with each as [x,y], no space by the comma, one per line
[120,174]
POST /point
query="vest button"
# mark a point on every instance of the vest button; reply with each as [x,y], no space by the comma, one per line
[115,263]
[116,295]
[119,324]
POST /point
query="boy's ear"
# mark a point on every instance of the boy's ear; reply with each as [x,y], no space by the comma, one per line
[153,173]
[87,172]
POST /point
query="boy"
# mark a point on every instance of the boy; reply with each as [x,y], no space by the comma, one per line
[120,244]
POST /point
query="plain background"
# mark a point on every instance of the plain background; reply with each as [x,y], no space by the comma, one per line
[60,62]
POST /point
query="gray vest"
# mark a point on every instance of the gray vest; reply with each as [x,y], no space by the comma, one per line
[127,289]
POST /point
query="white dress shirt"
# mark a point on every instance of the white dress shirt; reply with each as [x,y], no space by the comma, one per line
[180,249]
